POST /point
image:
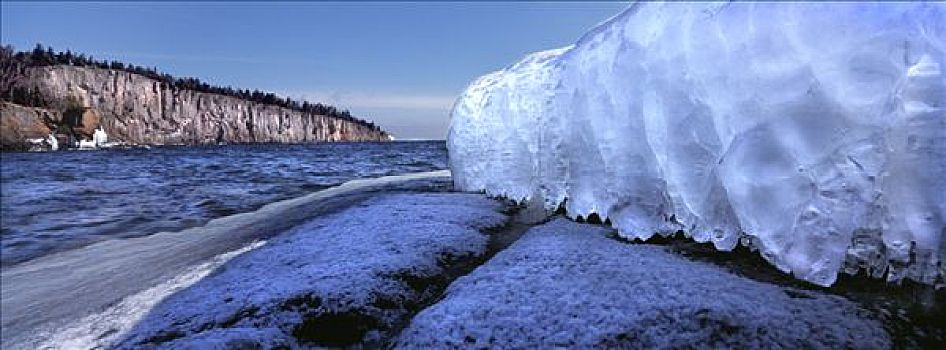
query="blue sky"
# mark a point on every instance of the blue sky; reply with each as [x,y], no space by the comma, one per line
[399,64]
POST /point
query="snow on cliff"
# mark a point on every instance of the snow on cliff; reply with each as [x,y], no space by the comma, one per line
[813,132]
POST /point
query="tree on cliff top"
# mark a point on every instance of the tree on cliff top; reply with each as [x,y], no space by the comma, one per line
[17,62]
[12,72]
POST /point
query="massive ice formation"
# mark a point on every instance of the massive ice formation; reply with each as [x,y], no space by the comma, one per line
[813,132]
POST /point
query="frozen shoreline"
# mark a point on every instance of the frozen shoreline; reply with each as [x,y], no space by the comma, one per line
[344,279]
[367,263]
[565,284]
[811,133]
[52,291]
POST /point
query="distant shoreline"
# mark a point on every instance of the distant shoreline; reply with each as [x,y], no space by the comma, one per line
[67,96]
[145,147]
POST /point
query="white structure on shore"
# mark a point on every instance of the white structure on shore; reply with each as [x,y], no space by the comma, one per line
[99,140]
[53,143]
[85,144]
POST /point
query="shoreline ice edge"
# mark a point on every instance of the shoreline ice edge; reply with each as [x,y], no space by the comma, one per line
[815,133]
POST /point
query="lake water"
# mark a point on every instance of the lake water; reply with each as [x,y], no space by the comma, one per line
[62,200]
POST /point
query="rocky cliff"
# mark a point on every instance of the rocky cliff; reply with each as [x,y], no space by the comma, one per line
[136,109]
[19,123]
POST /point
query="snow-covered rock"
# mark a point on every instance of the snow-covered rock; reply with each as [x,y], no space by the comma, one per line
[815,132]
[88,297]
[567,285]
[335,281]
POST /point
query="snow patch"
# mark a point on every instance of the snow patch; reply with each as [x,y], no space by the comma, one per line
[567,285]
[336,281]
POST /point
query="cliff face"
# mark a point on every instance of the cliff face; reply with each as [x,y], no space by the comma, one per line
[136,109]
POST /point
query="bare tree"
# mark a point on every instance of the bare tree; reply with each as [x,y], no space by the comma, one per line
[12,72]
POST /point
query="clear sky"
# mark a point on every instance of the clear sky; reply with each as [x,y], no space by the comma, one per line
[398,64]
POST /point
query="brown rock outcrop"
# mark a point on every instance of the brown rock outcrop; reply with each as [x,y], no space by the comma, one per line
[19,123]
[83,121]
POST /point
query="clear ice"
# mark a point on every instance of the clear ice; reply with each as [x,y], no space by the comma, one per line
[812,132]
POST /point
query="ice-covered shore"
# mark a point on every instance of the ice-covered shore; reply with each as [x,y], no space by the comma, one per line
[336,281]
[356,278]
[87,296]
[372,272]
[567,285]
[814,132]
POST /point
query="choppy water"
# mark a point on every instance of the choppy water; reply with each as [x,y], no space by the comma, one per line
[62,200]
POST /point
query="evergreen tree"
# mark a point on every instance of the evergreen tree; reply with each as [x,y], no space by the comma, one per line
[13,67]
